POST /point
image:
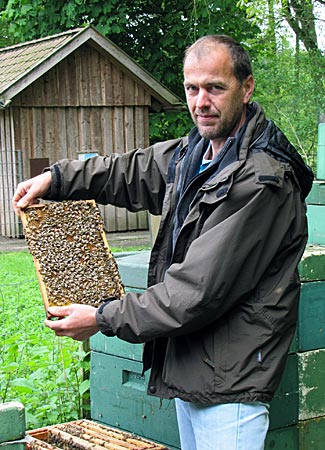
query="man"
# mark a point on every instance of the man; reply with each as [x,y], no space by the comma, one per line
[221,309]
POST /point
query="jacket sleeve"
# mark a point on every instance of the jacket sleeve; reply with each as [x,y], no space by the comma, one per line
[253,234]
[135,180]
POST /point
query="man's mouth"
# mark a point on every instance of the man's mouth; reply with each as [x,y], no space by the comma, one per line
[206,118]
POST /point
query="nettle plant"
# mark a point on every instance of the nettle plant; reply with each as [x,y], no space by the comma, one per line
[46,373]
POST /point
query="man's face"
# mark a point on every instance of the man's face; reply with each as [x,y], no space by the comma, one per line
[215,98]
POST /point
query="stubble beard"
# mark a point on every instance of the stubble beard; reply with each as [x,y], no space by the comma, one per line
[223,129]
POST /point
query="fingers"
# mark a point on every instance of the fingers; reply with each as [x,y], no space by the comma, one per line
[59,311]
[75,321]
[28,192]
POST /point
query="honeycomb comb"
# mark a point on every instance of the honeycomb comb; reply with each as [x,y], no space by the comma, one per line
[71,254]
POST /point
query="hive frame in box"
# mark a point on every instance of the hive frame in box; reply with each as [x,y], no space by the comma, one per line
[71,254]
[87,435]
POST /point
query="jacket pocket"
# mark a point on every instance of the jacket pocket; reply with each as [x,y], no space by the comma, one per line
[214,193]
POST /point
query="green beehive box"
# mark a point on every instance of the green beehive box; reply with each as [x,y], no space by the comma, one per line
[310,332]
[306,435]
[119,398]
[312,434]
[312,264]
[13,446]
[283,439]
[118,393]
[317,194]
[301,394]
[316,224]
[316,213]
[12,422]
[311,369]
[122,401]
[116,347]
[284,406]
[133,269]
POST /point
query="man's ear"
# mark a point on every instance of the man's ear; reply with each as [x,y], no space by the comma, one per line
[248,88]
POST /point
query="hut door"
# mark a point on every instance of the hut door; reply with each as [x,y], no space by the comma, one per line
[37,165]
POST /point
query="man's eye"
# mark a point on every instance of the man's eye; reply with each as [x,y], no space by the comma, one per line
[216,88]
[191,88]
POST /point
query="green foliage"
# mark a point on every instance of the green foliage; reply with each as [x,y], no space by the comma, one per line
[289,81]
[140,27]
[164,126]
[37,368]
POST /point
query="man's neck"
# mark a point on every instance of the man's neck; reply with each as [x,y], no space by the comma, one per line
[217,144]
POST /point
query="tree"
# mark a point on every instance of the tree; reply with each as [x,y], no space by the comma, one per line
[153,32]
[300,16]
[290,73]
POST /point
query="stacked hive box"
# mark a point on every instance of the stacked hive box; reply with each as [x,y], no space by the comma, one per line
[297,415]
[12,426]
[118,388]
[79,434]
[297,419]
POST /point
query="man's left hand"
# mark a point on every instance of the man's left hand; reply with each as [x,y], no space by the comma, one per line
[75,321]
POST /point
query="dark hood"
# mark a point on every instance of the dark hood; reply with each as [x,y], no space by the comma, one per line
[269,138]
[280,148]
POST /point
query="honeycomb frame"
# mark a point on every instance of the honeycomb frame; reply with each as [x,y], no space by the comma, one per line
[71,253]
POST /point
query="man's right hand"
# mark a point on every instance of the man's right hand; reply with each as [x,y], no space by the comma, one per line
[28,192]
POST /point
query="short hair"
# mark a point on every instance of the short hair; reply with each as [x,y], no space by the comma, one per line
[240,58]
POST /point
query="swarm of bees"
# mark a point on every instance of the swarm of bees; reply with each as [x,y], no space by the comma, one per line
[71,254]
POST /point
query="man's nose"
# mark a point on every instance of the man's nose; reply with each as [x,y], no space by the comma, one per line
[203,99]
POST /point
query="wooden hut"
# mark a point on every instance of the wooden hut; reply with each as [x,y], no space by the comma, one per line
[72,95]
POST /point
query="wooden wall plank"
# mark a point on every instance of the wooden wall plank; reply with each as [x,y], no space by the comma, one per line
[118,130]
[107,131]
[129,131]
[38,133]
[96,142]
[106,77]
[84,86]
[118,85]
[84,129]
[72,132]
[62,133]
[70,75]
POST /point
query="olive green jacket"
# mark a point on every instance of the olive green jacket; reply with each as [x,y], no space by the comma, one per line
[221,309]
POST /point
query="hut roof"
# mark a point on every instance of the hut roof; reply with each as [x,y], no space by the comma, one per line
[24,63]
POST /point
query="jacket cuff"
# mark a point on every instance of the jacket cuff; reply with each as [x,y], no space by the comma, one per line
[101,318]
[55,188]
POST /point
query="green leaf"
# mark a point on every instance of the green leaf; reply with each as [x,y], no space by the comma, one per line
[84,387]
[24,385]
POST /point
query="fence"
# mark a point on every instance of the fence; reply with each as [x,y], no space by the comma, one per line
[10,176]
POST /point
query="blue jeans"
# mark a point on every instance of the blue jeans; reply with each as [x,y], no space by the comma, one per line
[233,426]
